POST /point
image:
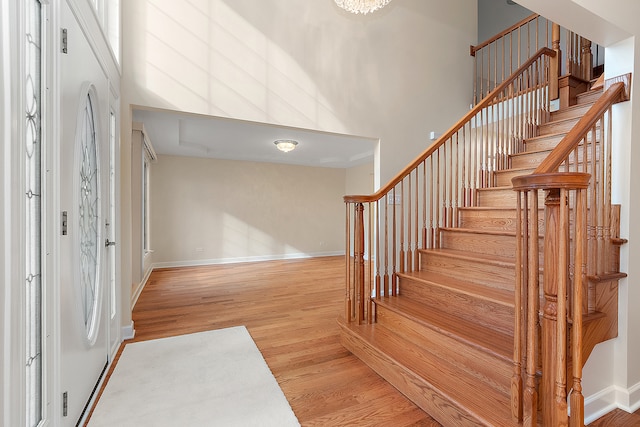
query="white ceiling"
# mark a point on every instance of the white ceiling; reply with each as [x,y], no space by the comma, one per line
[183,134]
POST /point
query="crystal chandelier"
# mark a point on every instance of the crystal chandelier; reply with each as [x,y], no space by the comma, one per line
[362,6]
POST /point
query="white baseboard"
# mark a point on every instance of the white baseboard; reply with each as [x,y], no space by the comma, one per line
[599,404]
[128,332]
[612,397]
[199,262]
[634,398]
[140,287]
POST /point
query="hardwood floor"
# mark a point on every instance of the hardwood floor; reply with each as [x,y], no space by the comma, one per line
[290,308]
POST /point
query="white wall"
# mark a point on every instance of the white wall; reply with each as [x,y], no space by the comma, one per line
[210,211]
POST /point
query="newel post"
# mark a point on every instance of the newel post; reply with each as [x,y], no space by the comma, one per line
[555,66]
[358,253]
[551,351]
[586,60]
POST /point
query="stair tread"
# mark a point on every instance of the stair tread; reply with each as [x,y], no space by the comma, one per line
[487,259]
[497,295]
[457,386]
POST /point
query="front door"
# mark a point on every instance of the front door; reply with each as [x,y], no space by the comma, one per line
[84,205]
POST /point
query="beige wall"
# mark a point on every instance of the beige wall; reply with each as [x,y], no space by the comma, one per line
[209,210]
[137,272]
[360,180]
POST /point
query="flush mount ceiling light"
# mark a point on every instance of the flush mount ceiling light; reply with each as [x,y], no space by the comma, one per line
[285,145]
[362,6]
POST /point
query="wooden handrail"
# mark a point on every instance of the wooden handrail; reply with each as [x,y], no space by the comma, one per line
[467,117]
[571,140]
[546,181]
[503,33]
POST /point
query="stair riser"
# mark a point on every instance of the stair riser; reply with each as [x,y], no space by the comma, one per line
[588,97]
[551,142]
[545,143]
[493,244]
[502,198]
[571,113]
[476,271]
[489,313]
[503,178]
[493,219]
[557,127]
[528,160]
[415,388]
[487,368]
[497,198]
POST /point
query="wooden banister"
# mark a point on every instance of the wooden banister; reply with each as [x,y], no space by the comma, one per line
[497,57]
[386,230]
[503,33]
[482,105]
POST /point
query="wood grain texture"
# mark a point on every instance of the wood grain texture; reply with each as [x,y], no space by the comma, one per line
[290,309]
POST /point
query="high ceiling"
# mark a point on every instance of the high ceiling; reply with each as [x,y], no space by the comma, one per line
[182,134]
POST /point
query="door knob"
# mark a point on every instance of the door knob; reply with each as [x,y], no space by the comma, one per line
[108,243]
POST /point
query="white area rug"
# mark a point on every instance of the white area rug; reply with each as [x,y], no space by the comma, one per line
[213,378]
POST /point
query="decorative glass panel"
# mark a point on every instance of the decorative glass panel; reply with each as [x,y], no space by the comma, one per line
[88,214]
[33,211]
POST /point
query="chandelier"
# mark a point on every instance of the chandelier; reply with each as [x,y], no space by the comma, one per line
[362,6]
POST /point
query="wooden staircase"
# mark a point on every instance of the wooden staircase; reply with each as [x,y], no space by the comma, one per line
[444,336]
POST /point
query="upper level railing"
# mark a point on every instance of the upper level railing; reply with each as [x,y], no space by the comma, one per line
[578,244]
[496,58]
[385,230]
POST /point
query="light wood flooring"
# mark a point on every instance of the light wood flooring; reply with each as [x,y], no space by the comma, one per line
[290,309]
